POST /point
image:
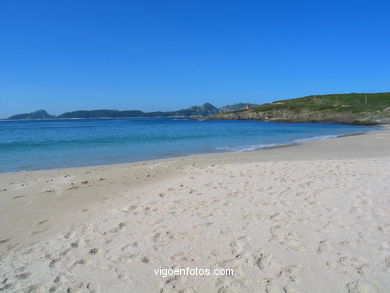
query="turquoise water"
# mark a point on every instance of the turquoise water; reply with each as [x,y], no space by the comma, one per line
[32,145]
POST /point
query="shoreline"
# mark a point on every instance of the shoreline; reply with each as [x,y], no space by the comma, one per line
[302,151]
[204,118]
[259,148]
[170,167]
[268,214]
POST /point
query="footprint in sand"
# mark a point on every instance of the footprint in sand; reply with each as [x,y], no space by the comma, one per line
[237,246]
[188,290]
[146,259]
[54,263]
[94,251]
[322,246]
[288,273]
[172,283]
[23,276]
[42,222]
[225,290]
[4,241]
[262,260]
[131,245]
[362,286]
[122,225]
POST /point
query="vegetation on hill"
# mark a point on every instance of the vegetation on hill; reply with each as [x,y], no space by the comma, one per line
[354,108]
[342,102]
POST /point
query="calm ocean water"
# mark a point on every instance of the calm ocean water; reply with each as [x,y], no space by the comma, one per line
[32,145]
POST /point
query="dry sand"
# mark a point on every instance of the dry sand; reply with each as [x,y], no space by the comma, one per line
[308,218]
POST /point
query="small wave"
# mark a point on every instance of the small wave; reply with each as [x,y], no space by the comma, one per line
[246,148]
[320,137]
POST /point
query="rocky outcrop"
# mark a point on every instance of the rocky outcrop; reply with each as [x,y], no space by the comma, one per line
[307,115]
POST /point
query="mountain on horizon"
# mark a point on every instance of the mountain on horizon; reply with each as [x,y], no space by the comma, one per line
[204,110]
[40,114]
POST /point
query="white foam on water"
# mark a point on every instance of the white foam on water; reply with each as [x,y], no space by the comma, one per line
[246,148]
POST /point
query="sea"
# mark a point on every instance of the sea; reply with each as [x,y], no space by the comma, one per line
[51,144]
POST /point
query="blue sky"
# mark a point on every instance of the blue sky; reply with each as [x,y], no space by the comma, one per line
[164,55]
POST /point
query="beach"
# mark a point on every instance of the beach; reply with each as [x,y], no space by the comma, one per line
[309,217]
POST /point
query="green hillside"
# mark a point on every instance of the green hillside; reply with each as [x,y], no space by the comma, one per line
[361,109]
[354,103]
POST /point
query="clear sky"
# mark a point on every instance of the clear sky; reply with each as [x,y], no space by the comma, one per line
[66,55]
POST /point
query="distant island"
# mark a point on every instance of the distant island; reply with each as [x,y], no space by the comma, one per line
[354,108]
[204,110]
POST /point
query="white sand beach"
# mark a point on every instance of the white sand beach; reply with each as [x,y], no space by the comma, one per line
[307,218]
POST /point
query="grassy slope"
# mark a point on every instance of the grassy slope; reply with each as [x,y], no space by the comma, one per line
[353,103]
